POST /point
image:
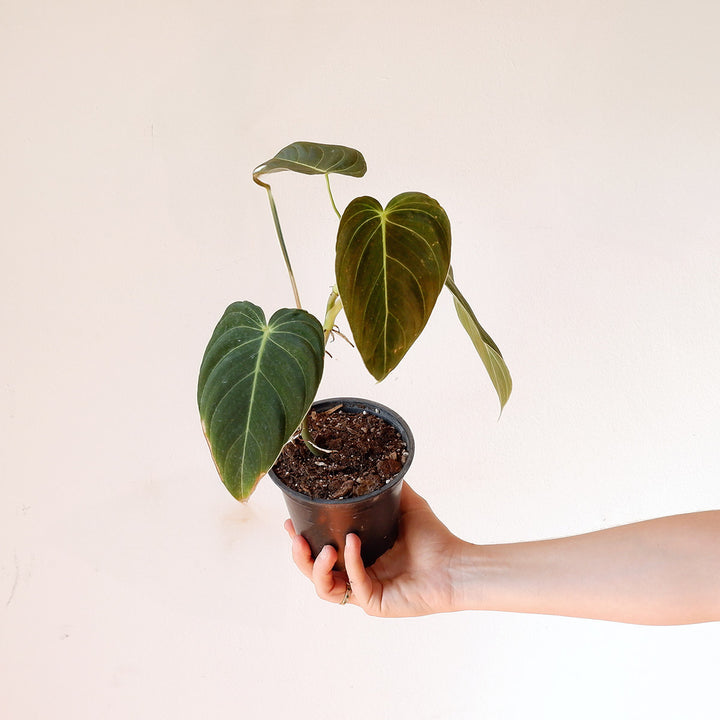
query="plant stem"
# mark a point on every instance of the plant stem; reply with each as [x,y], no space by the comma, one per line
[332,199]
[333,307]
[278,230]
[309,440]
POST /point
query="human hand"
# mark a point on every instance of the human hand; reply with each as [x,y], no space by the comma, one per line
[415,577]
[663,571]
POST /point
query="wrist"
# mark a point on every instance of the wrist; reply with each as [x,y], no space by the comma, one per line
[471,575]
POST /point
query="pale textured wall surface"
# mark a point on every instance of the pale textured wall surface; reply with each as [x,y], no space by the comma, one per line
[576,147]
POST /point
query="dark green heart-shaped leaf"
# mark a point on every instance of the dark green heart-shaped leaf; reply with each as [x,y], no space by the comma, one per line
[257,382]
[489,352]
[390,267]
[315,159]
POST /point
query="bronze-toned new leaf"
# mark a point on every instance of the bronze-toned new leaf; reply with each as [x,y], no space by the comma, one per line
[257,382]
[489,352]
[315,159]
[390,266]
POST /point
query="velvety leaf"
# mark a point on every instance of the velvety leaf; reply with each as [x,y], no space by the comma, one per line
[315,159]
[489,352]
[257,382]
[390,266]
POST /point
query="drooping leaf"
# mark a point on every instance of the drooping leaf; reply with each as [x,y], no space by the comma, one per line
[390,266]
[257,382]
[489,352]
[310,159]
[315,159]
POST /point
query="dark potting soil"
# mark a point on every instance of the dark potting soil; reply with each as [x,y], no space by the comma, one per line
[366,452]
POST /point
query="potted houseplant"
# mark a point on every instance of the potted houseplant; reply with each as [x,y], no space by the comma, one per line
[259,377]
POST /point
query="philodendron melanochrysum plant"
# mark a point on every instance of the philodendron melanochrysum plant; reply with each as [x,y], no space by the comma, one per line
[259,377]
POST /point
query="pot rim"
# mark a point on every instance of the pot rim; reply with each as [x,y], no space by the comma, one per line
[379,410]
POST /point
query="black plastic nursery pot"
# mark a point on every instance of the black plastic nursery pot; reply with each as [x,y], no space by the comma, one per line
[373,517]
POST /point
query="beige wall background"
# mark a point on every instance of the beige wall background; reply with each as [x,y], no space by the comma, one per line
[576,148]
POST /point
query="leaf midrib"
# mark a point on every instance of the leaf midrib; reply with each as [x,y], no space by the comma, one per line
[256,374]
[383,225]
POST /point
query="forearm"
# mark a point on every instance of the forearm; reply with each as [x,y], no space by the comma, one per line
[659,572]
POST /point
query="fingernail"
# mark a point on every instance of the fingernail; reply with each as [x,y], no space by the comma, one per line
[324,552]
